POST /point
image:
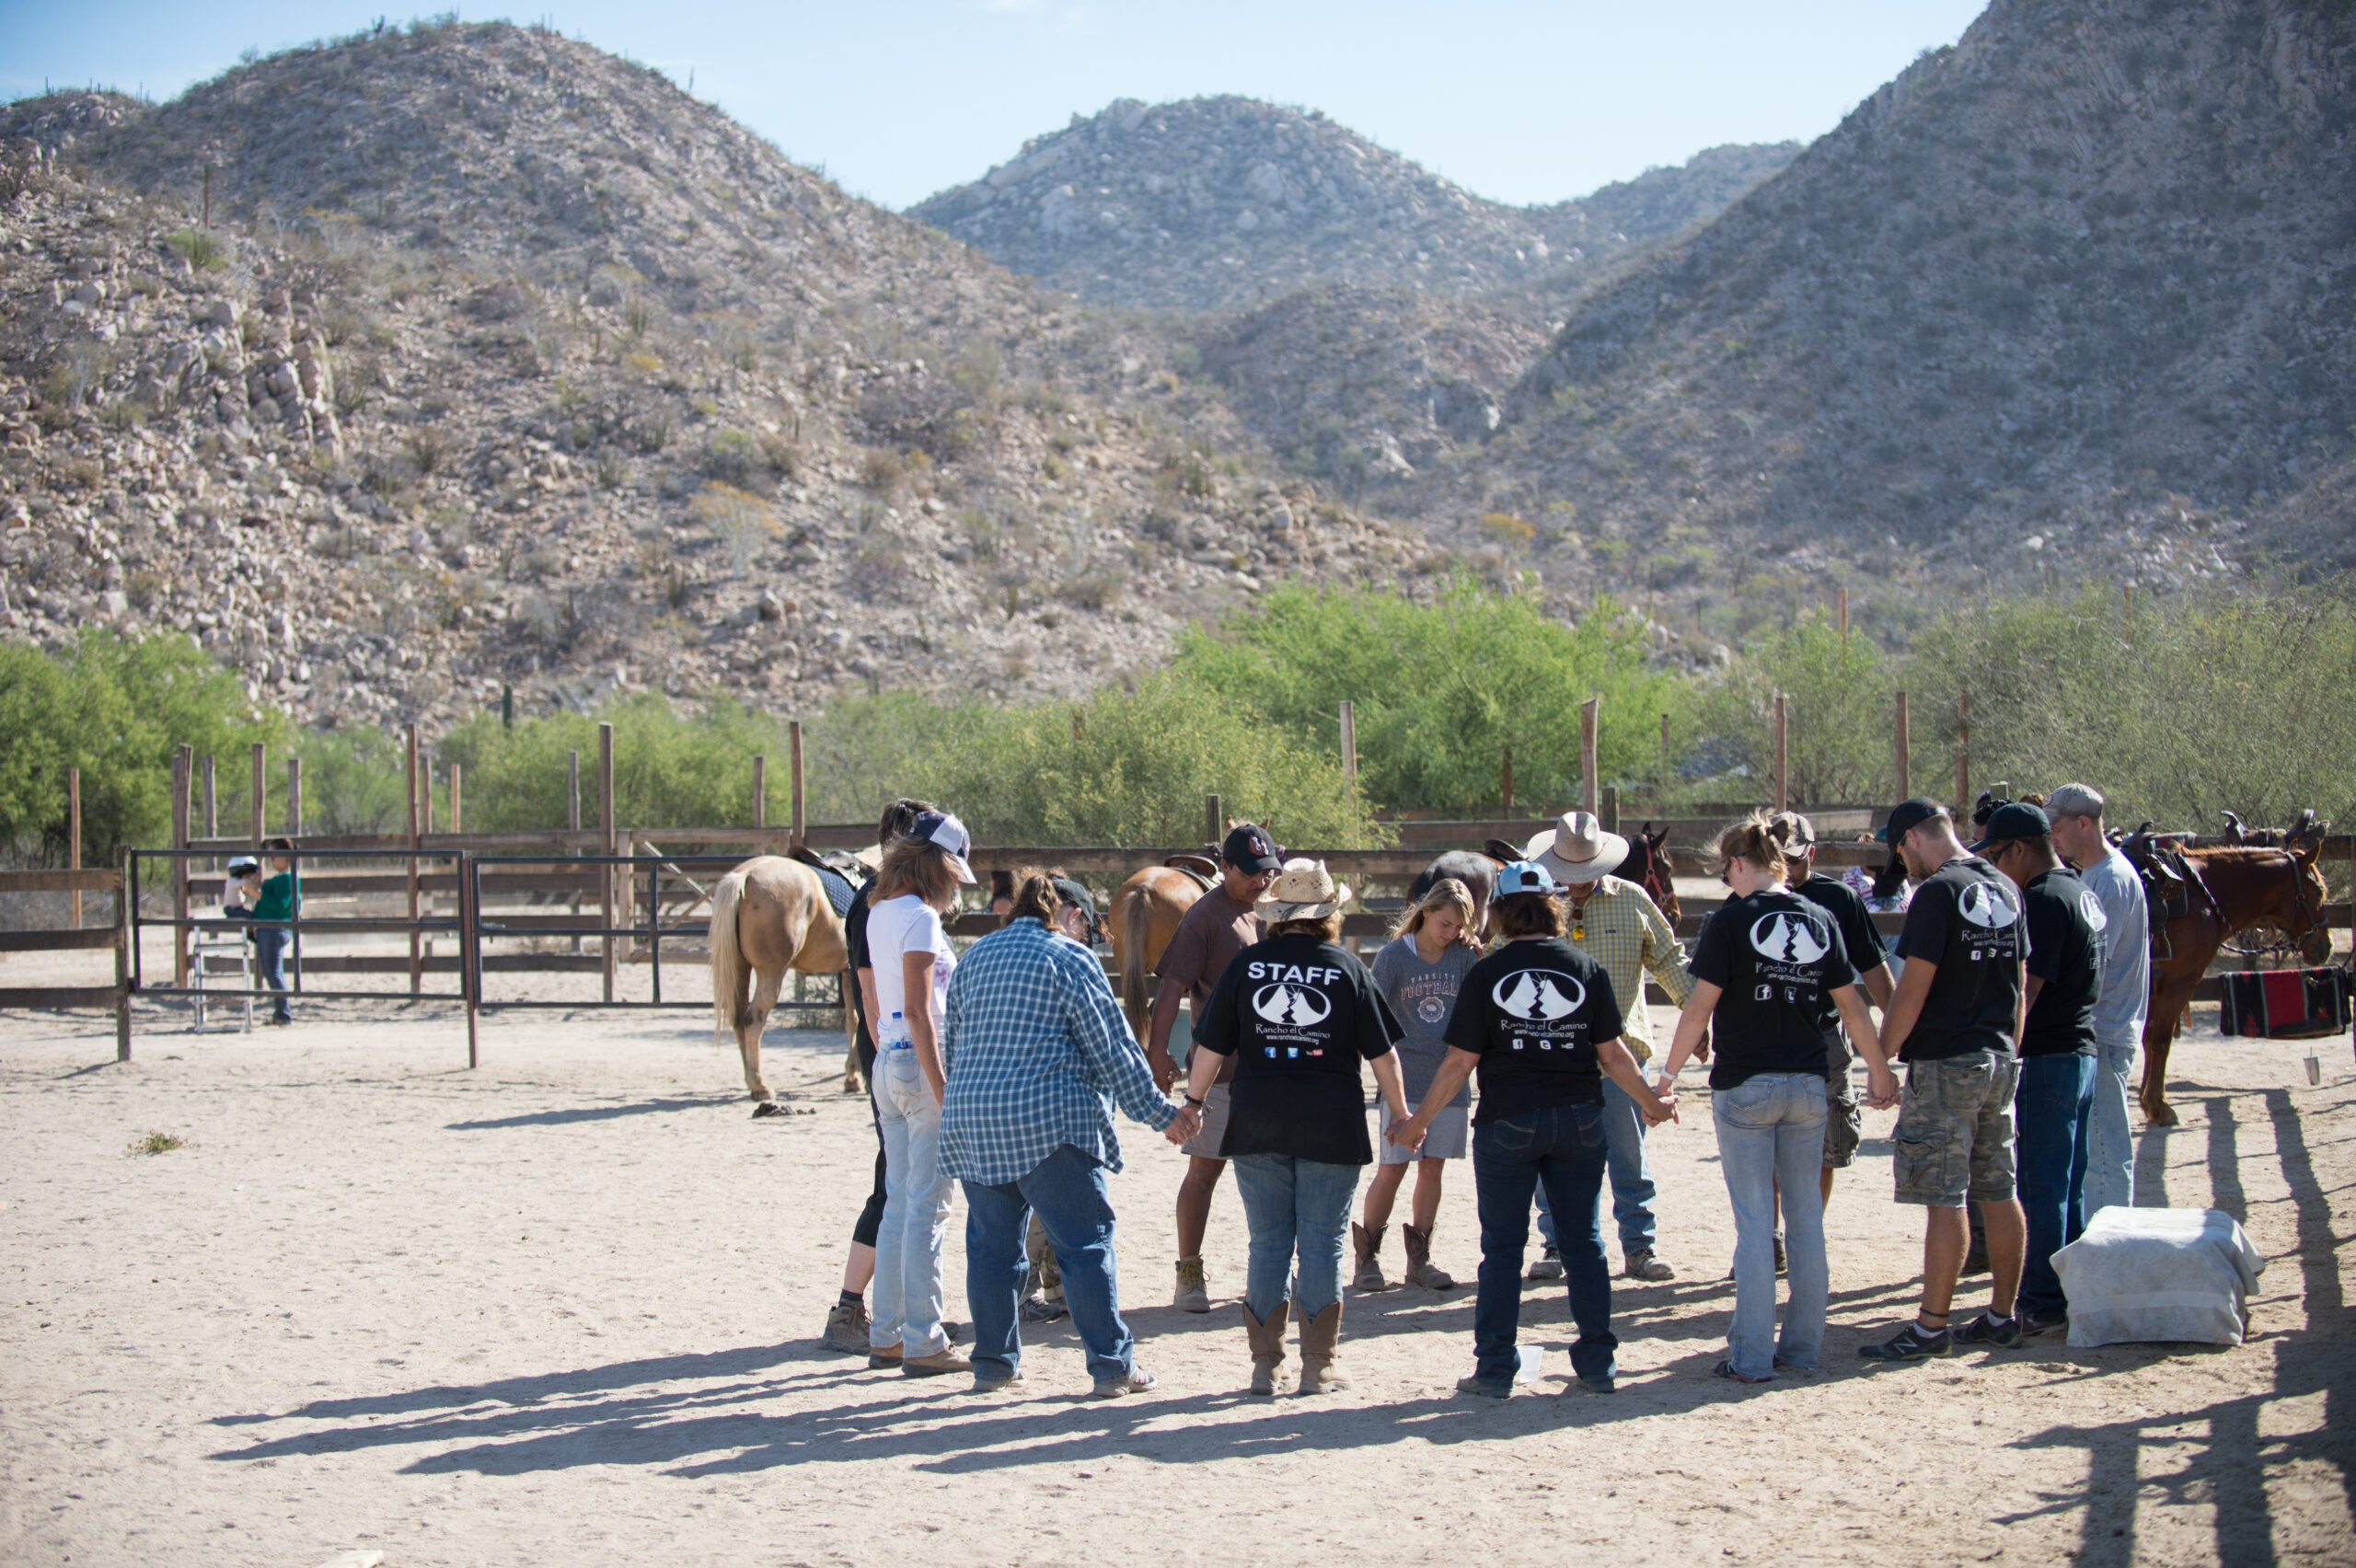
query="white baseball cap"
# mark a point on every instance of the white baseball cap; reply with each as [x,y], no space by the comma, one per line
[948,835]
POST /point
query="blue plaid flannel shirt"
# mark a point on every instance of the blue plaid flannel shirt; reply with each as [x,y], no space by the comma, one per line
[1037,1054]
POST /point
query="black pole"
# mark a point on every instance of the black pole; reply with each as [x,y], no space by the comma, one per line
[507,707]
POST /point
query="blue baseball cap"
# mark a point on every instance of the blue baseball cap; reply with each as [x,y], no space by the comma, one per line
[1524,876]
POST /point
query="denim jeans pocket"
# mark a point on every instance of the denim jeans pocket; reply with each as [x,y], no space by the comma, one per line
[1515,1135]
[1754,1103]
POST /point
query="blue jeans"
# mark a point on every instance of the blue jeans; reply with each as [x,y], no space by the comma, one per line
[270,957]
[1068,1191]
[2111,1135]
[1561,1149]
[2050,1111]
[915,1210]
[1294,1207]
[1771,1131]
[1632,1175]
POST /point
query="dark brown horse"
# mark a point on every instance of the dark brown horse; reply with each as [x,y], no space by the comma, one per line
[2247,890]
[1649,867]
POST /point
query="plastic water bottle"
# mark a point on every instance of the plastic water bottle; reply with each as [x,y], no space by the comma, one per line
[896,1034]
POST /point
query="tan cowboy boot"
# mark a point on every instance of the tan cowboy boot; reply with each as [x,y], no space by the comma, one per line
[1319,1335]
[1370,1250]
[1267,1346]
[1419,1262]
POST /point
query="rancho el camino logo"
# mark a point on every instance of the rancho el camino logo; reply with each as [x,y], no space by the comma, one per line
[1539,994]
[1790,936]
[1291,1006]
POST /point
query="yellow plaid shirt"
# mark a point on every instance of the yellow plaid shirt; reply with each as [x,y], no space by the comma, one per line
[1622,929]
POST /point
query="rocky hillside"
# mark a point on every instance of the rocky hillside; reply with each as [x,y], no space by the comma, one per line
[1226,202]
[2076,297]
[503,361]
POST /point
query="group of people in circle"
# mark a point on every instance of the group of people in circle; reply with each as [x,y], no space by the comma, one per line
[1000,1069]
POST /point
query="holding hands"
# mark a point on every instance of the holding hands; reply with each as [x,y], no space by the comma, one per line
[1881,1088]
[1408,1133]
[1184,1125]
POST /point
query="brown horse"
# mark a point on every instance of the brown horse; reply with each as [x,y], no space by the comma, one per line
[1648,866]
[768,916]
[2247,890]
[1144,916]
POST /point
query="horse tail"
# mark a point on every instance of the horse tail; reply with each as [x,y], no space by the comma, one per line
[731,975]
[1136,925]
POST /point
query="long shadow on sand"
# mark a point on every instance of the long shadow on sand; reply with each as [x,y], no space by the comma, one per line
[594,1113]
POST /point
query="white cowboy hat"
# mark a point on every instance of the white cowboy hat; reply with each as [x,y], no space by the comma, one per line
[1302,891]
[1578,850]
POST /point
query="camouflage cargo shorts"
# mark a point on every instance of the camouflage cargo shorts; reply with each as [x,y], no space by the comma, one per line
[1954,1137]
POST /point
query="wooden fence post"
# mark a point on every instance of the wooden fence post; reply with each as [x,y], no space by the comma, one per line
[799,803]
[1505,782]
[1348,747]
[260,816]
[212,802]
[606,846]
[1962,756]
[453,799]
[183,765]
[416,832]
[572,823]
[74,834]
[1609,813]
[1214,822]
[1664,753]
[1588,784]
[294,797]
[760,790]
[1905,763]
[1782,756]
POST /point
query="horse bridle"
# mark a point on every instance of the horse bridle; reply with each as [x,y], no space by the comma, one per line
[2291,940]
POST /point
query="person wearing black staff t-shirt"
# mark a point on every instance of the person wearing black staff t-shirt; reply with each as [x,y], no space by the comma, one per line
[1539,1020]
[1955,1020]
[1842,1122]
[1769,967]
[2057,1089]
[1297,1013]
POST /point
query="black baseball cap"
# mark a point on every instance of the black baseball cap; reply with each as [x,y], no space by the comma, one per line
[1249,849]
[1908,815]
[1077,896]
[2014,819]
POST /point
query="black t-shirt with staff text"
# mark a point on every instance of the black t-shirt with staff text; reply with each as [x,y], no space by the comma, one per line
[1967,919]
[1776,959]
[1297,1015]
[1534,1011]
[2065,953]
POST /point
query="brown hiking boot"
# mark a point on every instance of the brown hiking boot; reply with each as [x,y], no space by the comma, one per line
[1193,1294]
[847,1327]
[1319,1336]
[940,1364]
[1267,1346]
[1420,1270]
[1369,1249]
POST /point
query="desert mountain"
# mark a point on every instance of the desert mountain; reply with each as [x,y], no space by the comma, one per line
[503,360]
[1228,203]
[2076,296]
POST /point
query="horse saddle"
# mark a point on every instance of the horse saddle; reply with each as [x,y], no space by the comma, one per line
[1202,868]
[2171,883]
[835,868]
[1500,852]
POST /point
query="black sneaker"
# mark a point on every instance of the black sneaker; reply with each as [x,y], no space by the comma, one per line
[2035,1323]
[1985,1330]
[1910,1343]
[1783,1265]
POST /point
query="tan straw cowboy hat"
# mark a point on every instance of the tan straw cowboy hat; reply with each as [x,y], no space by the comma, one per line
[1578,850]
[1302,891]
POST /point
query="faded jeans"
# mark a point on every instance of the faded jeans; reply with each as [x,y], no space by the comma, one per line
[1632,1176]
[915,1210]
[2051,1116]
[270,957]
[2110,1132]
[1560,1148]
[1066,1191]
[1771,1131]
[1293,1206]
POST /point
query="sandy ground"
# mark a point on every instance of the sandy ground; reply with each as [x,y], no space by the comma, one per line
[563,1307]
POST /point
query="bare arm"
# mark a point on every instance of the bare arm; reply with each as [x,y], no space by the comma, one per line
[2030,987]
[1454,1068]
[915,969]
[1881,1088]
[1618,1061]
[1692,1025]
[1905,1009]
[2020,1007]
[867,992]
[1879,985]
[1166,1003]
[1392,1086]
[1202,1069]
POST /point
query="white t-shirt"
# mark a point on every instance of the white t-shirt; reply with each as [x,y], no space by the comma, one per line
[896,928]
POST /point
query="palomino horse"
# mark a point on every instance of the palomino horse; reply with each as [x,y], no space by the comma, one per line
[1144,916]
[2247,890]
[768,916]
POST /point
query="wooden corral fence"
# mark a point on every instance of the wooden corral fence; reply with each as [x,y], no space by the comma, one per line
[75,936]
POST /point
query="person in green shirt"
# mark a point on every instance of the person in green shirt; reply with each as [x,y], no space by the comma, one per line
[275,900]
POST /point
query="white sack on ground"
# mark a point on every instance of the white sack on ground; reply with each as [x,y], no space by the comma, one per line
[2149,1274]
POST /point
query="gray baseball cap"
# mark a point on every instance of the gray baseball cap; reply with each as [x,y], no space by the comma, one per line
[2074,800]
